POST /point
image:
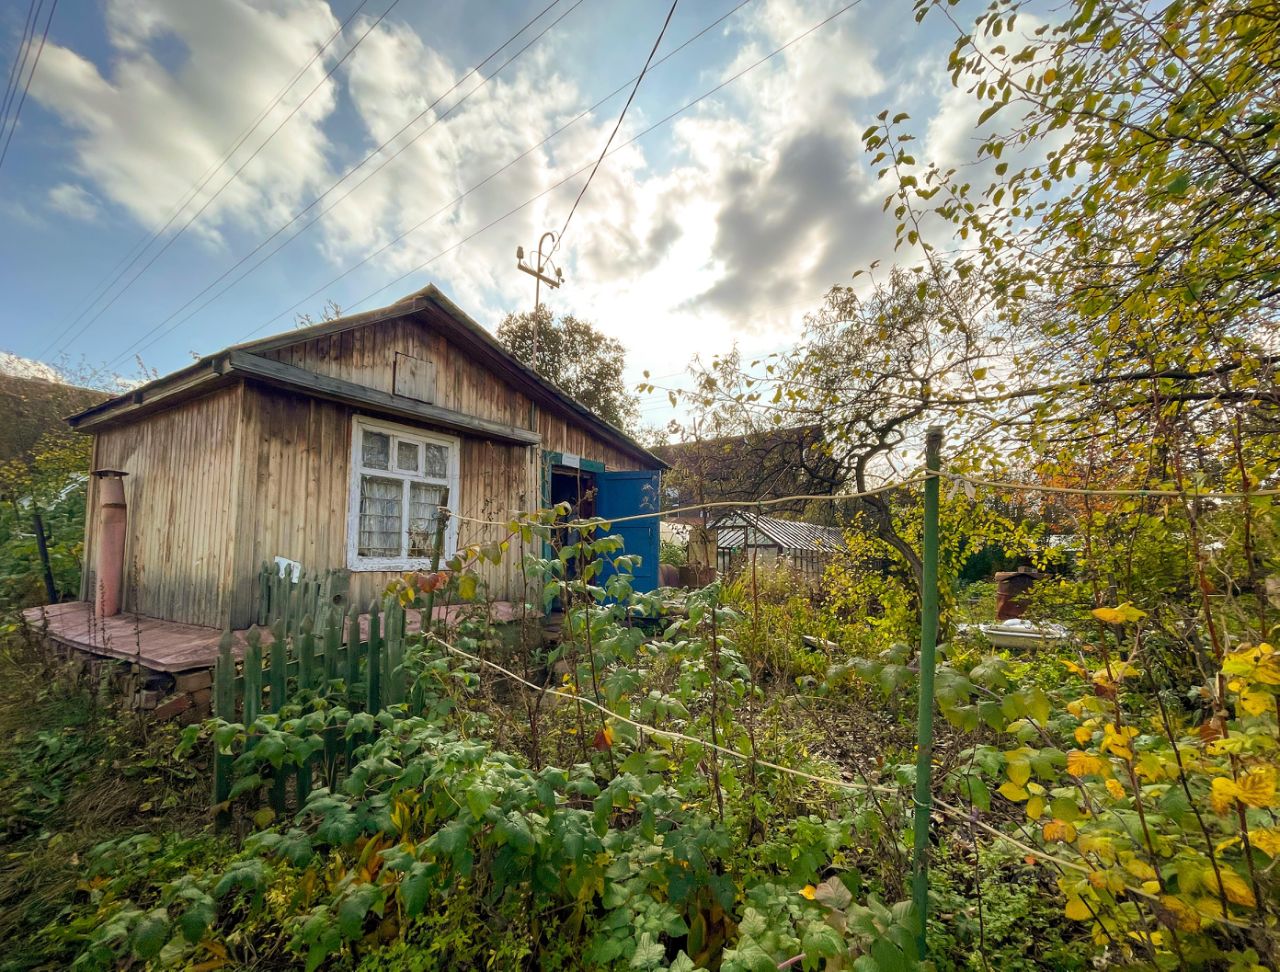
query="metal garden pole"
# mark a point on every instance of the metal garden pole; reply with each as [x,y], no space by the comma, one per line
[924,723]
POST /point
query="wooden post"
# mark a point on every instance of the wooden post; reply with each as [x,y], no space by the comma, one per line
[353,673]
[373,694]
[306,654]
[42,547]
[332,642]
[279,688]
[223,708]
[437,553]
[252,676]
[395,654]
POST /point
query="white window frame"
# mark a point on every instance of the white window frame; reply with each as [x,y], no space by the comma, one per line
[361,423]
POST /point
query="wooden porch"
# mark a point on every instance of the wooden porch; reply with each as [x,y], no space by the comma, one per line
[169,646]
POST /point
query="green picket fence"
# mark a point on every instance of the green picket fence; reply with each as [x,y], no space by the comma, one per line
[282,598]
[301,658]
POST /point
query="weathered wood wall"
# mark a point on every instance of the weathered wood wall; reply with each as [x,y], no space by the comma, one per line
[366,355]
[219,484]
[294,486]
[180,506]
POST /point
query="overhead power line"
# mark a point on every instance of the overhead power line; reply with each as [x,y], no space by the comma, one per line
[635,138]
[13,122]
[19,61]
[131,258]
[234,175]
[621,115]
[160,327]
[458,198]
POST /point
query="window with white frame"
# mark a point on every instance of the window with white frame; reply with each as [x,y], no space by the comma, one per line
[398,481]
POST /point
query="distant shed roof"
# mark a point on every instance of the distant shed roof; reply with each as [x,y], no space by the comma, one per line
[731,531]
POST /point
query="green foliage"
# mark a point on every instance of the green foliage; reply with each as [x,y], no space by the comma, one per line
[634,849]
[577,357]
[670,552]
[993,910]
[74,773]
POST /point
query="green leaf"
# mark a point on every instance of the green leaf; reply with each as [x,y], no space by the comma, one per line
[150,934]
[353,909]
[479,798]
[415,888]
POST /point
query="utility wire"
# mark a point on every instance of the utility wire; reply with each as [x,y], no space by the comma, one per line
[135,253]
[658,124]
[606,522]
[160,329]
[754,504]
[13,126]
[472,188]
[234,175]
[1085,491]
[623,114]
[19,60]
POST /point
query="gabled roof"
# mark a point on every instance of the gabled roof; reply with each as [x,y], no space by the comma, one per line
[429,304]
[731,531]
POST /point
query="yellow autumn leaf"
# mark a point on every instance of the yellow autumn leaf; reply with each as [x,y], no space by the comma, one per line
[1184,916]
[1257,787]
[1140,869]
[1084,764]
[1019,772]
[809,891]
[1011,791]
[1083,735]
[1103,847]
[1077,910]
[1223,795]
[1266,840]
[1126,613]
[1237,888]
[1059,830]
[1255,701]
[1115,789]
[1035,807]
[1116,741]
[1151,887]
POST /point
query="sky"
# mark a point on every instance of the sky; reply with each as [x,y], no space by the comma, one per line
[158,130]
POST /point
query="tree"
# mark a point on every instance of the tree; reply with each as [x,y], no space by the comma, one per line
[577,358]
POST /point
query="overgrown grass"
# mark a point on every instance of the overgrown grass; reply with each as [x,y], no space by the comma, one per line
[75,772]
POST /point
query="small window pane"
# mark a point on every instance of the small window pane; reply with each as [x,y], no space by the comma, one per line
[375,450]
[437,461]
[380,516]
[424,509]
[407,456]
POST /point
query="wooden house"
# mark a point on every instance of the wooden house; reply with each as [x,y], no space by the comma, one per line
[333,446]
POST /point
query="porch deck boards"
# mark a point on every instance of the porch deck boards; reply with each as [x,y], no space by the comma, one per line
[169,646]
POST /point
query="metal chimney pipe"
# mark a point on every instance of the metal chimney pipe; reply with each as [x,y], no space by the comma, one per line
[112,521]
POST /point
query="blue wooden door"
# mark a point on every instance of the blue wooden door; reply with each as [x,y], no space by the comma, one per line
[627,493]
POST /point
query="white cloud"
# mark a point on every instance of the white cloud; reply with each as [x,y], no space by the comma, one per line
[723,226]
[75,201]
[185,80]
[767,204]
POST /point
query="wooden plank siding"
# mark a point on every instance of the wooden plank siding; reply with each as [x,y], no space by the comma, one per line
[366,356]
[295,482]
[218,484]
[180,508]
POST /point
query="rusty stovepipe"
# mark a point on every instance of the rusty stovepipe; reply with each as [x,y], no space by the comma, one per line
[112,520]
